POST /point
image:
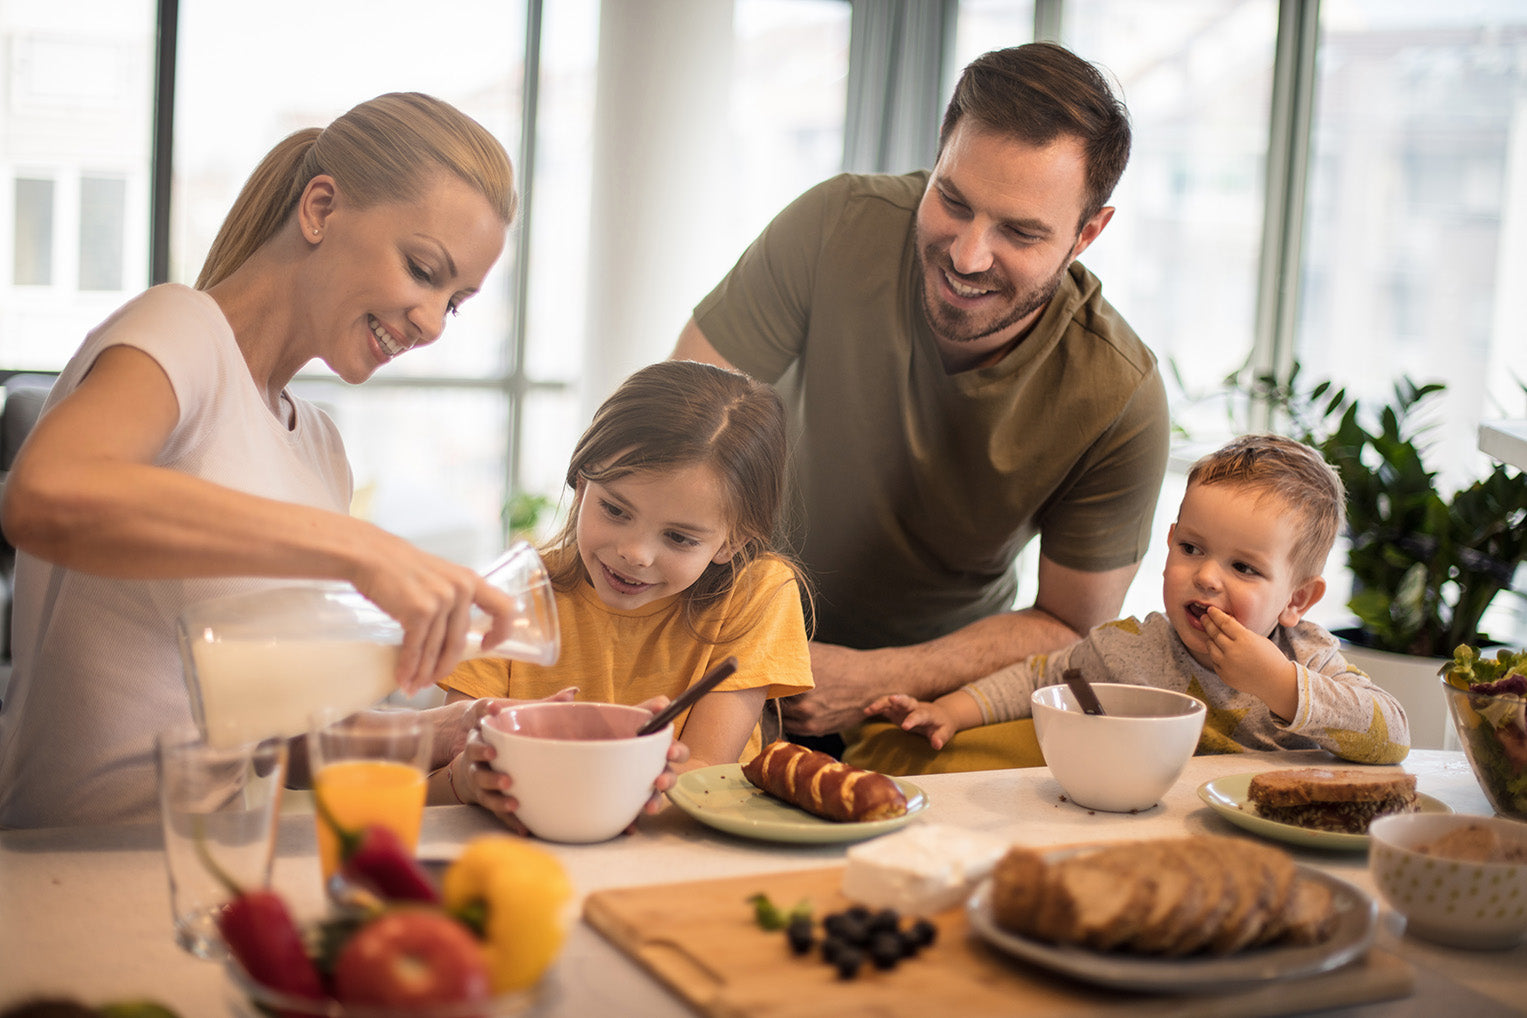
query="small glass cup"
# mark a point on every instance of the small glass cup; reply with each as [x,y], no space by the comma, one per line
[533,634]
[368,767]
[217,802]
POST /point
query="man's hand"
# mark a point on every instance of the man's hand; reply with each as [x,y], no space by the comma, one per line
[845,683]
[1068,603]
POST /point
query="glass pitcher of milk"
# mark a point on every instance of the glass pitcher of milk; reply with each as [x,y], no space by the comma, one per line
[259,664]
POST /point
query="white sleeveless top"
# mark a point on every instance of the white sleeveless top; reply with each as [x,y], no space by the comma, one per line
[97,667]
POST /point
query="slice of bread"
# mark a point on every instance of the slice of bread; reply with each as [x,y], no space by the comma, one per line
[1181,899]
[1079,900]
[1302,785]
[1267,875]
[1240,892]
[1345,800]
[1309,917]
[1208,863]
[1206,904]
[1018,887]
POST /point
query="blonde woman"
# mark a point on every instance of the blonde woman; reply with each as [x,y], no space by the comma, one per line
[172,464]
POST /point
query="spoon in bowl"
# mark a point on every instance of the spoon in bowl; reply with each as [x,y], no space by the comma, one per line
[1082,690]
[682,702]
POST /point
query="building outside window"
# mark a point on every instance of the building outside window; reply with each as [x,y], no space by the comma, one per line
[33,249]
[103,225]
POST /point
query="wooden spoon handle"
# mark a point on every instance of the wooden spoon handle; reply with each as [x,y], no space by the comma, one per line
[1082,690]
[708,682]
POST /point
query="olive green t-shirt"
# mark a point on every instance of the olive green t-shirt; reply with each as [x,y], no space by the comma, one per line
[913,490]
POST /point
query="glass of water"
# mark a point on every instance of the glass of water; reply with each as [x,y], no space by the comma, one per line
[219,805]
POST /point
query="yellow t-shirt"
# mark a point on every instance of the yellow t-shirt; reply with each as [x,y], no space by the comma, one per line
[615,656]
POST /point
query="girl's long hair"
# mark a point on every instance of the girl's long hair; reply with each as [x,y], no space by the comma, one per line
[386,150]
[675,414]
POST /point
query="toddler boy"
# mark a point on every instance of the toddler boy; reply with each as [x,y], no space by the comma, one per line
[1256,523]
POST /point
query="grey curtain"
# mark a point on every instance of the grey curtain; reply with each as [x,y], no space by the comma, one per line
[897,53]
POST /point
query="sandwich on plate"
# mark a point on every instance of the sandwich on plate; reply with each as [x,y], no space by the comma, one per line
[1326,799]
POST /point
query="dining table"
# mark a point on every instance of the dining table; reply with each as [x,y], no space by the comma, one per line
[84,911]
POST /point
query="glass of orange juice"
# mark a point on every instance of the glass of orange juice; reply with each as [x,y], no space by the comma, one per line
[369,767]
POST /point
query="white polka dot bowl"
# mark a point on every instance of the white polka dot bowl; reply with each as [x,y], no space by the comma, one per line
[1458,902]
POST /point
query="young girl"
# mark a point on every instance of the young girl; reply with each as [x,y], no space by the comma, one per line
[664,567]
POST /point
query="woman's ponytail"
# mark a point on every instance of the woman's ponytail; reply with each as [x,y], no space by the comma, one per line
[262,206]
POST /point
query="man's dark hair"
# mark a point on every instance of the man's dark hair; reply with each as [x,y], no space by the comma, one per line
[1038,92]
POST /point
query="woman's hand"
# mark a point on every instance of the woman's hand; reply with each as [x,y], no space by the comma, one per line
[432,600]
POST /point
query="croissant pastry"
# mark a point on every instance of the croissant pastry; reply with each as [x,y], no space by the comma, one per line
[823,786]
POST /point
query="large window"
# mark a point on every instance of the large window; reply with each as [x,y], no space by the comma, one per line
[428,459]
[1415,247]
[444,438]
[1414,202]
[665,136]
[76,113]
[1180,257]
[1179,260]
[649,183]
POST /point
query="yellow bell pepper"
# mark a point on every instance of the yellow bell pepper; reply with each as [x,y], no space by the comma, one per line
[526,900]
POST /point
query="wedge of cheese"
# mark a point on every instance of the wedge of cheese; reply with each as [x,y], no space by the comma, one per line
[922,869]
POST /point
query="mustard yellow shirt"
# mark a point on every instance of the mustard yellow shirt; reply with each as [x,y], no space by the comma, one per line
[616,656]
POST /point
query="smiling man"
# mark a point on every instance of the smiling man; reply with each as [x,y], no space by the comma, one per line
[957,385]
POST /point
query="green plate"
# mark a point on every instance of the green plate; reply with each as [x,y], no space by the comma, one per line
[722,798]
[1227,797]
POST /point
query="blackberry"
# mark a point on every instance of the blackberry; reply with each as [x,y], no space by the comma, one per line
[801,934]
[849,926]
[922,933]
[886,949]
[849,961]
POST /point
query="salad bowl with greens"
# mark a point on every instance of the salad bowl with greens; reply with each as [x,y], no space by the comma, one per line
[1487,698]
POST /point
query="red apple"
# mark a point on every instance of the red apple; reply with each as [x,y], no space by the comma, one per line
[411,957]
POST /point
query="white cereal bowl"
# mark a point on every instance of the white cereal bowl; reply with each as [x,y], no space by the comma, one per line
[1124,760]
[581,773]
[1479,905]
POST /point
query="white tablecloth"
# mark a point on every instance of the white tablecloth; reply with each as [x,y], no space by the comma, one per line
[84,911]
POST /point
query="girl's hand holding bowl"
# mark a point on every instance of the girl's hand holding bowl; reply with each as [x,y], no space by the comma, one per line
[573,772]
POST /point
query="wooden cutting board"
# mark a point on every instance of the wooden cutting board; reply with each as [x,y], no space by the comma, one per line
[699,939]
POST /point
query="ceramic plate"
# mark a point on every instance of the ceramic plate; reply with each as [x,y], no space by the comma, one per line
[1227,797]
[722,798]
[1356,920]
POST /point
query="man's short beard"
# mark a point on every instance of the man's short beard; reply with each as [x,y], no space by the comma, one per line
[957,327]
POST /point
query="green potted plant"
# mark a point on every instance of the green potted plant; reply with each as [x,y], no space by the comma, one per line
[1425,567]
[1425,564]
[522,515]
